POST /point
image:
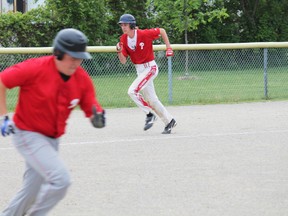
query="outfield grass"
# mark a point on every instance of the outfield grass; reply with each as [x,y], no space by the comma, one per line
[203,87]
[199,87]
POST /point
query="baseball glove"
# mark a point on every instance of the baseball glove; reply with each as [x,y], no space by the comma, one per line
[98,120]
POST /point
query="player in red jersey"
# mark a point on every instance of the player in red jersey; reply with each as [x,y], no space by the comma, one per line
[138,44]
[50,88]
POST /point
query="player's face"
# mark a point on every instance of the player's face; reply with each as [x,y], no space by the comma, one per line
[68,64]
[125,27]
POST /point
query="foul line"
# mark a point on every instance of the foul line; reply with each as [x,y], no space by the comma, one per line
[165,137]
[173,136]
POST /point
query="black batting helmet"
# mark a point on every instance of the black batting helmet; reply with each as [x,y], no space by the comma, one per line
[128,18]
[71,41]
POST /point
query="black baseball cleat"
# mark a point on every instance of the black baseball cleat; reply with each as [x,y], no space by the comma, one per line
[168,128]
[150,119]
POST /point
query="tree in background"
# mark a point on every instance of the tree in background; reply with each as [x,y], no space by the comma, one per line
[89,16]
[182,17]
[119,7]
[32,29]
[226,31]
[39,26]
[248,21]
[186,21]
[271,21]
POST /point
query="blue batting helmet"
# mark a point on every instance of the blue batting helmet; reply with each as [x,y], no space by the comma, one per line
[128,18]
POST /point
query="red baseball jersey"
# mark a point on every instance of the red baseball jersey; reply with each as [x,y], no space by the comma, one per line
[45,99]
[143,51]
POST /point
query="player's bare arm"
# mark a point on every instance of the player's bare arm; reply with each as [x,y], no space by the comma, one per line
[165,37]
[169,51]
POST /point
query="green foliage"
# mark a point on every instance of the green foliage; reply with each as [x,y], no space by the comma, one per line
[32,29]
[257,20]
[176,16]
[88,16]
[192,21]
[272,22]
[248,21]
[119,7]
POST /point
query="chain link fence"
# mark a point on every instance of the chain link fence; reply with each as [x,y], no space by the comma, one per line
[194,75]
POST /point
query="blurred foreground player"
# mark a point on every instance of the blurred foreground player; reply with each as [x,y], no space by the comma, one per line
[50,88]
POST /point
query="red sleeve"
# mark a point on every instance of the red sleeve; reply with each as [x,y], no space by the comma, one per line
[153,33]
[19,74]
[89,97]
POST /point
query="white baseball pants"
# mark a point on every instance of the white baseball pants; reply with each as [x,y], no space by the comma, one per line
[146,73]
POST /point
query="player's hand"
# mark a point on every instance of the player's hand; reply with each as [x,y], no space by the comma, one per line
[98,119]
[119,47]
[6,126]
[169,52]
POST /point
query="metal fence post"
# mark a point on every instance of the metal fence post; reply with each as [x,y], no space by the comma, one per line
[265,73]
[170,80]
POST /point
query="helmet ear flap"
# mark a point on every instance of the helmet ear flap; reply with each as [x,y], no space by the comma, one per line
[58,53]
[132,25]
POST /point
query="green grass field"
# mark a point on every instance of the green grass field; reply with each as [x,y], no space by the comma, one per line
[204,87]
[199,87]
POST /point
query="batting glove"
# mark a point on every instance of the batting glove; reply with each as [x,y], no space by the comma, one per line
[99,119]
[6,126]
[119,47]
[169,52]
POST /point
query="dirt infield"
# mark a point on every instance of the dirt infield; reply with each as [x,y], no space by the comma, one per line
[221,160]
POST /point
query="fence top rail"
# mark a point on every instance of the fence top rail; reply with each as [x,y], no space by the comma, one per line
[101,49]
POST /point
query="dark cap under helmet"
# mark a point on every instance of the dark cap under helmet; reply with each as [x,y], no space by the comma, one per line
[128,18]
[73,42]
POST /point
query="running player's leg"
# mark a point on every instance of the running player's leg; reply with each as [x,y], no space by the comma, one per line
[152,98]
[159,109]
[41,153]
[26,196]
[143,78]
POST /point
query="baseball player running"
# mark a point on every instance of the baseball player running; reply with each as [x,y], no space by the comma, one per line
[138,44]
[50,88]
